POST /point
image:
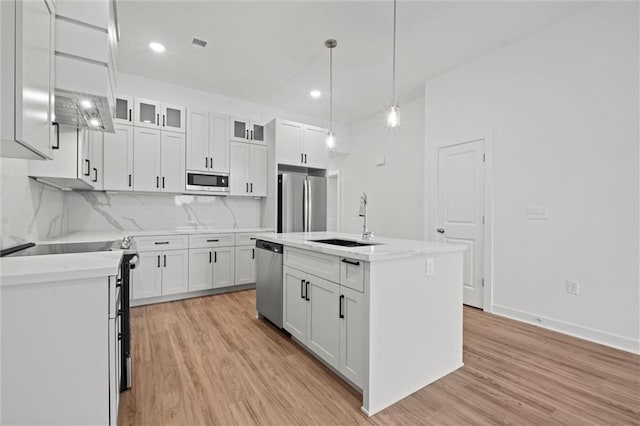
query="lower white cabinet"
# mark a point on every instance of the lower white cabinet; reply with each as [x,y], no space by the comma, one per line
[160,273]
[327,318]
[245,265]
[212,267]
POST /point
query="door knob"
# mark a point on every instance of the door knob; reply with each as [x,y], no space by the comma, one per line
[440,230]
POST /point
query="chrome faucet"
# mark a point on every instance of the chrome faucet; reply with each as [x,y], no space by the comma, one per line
[366,234]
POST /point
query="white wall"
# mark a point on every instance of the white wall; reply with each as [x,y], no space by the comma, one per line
[562,105]
[29,210]
[395,190]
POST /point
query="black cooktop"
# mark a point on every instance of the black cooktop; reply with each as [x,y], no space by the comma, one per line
[31,249]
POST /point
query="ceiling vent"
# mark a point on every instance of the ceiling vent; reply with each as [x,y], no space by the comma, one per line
[198,42]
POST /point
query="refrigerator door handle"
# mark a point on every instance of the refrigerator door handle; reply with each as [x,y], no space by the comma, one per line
[304,206]
[309,205]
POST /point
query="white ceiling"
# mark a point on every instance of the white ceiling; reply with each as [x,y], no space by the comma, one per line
[273,52]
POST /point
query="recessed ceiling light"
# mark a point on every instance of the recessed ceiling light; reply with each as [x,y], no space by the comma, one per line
[156,47]
[315,94]
[85,103]
[94,122]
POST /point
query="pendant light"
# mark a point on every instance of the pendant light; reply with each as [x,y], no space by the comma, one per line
[393,115]
[331,137]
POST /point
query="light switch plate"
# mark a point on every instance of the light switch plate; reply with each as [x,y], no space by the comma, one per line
[537,213]
[429,266]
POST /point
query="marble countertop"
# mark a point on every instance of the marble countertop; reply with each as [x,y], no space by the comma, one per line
[57,267]
[385,248]
[82,237]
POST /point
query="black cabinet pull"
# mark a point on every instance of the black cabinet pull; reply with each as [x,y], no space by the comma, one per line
[247,137]
[157,119]
[306,295]
[211,161]
[252,135]
[158,243]
[305,159]
[253,253]
[301,289]
[213,241]
[163,181]
[57,126]
[247,187]
[215,257]
[95,172]
[157,181]
[162,120]
[165,260]
[301,157]
[206,162]
[129,179]
[340,311]
[351,262]
[158,261]
[209,257]
[88,164]
[129,114]
[251,185]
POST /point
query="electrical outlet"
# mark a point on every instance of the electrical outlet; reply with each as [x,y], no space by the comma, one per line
[573,287]
[537,213]
[429,266]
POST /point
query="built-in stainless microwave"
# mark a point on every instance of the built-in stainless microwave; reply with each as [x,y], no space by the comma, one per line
[207,182]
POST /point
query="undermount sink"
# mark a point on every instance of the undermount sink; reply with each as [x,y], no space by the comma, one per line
[343,243]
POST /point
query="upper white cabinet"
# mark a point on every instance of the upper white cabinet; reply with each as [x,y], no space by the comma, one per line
[158,161]
[207,142]
[299,144]
[248,169]
[123,113]
[242,130]
[118,159]
[156,115]
[27,78]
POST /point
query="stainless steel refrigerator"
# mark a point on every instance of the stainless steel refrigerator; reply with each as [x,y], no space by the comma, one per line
[302,202]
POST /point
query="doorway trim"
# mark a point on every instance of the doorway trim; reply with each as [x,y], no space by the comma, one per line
[487,293]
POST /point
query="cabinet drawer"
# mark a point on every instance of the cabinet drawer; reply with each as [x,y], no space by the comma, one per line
[161,242]
[246,239]
[352,273]
[211,240]
[321,265]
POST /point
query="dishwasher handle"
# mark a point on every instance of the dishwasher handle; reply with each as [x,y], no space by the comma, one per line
[269,246]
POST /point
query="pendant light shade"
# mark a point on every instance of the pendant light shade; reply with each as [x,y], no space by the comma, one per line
[393,114]
[331,137]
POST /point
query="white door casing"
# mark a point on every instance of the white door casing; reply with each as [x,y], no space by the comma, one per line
[461,210]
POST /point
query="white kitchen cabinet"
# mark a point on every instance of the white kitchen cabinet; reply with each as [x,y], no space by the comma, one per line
[146,278]
[91,146]
[200,269]
[156,115]
[295,303]
[207,142]
[351,313]
[123,113]
[118,159]
[160,273]
[323,322]
[146,159]
[223,267]
[245,264]
[27,79]
[175,272]
[242,130]
[248,170]
[299,144]
[172,154]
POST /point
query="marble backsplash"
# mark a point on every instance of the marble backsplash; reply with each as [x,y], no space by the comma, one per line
[99,211]
[29,210]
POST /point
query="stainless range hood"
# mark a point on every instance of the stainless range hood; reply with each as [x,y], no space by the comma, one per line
[84,67]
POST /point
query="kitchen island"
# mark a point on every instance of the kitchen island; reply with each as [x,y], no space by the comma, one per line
[385,315]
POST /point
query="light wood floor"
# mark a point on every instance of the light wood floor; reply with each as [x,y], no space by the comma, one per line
[208,361]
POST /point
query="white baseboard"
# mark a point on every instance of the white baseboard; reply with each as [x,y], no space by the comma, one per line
[596,336]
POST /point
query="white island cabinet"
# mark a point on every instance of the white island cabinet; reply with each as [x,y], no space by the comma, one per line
[375,314]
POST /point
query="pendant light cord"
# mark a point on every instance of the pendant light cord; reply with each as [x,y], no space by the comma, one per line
[393,91]
[331,90]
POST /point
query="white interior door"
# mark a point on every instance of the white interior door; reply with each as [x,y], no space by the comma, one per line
[461,210]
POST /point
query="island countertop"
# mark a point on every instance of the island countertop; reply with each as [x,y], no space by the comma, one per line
[382,248]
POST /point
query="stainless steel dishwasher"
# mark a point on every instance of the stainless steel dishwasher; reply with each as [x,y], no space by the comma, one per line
[269,281]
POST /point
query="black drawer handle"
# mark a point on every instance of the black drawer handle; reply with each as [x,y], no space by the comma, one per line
[253,238]
[301,289]
[212,241]
[88,164]
[158,243]
[307,292]
[340,310]
[351,262]
[95,172]
[57,126]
